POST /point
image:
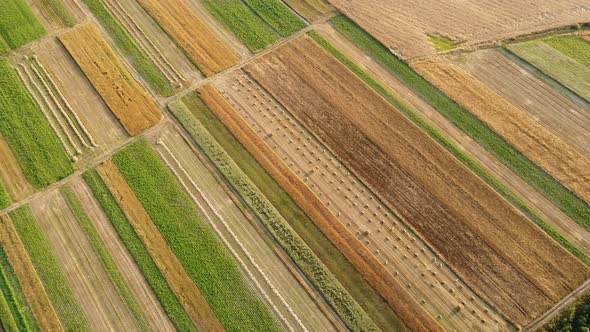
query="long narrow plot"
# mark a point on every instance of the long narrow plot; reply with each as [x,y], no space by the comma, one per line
[11,174]
[201,45]
[499,253]
[312,10]
[121,92]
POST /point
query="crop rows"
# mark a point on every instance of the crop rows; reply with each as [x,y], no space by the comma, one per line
[14,297]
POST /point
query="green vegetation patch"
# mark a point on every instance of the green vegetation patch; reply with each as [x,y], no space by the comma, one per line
[572,46]
[105,258]
[568,202]
[54,281]
[344,305]
[18,24]
[242,22]
[144,66]
[434,133]
[442,43]
[7,322]
[575,318]
[277,15]
[141,256]
[60,10]
[4,197]
[35,146]
[203,256]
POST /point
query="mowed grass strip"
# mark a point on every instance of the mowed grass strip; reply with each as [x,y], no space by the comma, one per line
[18,24]
[242,22]
[60,293]
[325,282]
[365,295]
[198,42]
[203,256]
[277,15]
[140,254]
[312,10]
[568,202]
[15,301]
[36,147]
[126,98]
[105,258]
[139,60]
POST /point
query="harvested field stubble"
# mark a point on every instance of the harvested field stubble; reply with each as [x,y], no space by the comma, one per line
[201,45]
[518,269]
[121,92]
[312,10]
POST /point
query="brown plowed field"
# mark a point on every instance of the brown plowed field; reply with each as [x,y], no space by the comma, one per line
[11,175]
[496,250]
[149,304]
[201,45]
[572,231]
[532,139]
[180,282]
[404,25]
[372,270]
[81,265]
[30,283]
[554,111]
[122,93]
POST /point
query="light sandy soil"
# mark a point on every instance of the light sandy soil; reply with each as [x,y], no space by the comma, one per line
[502,255]
[407,258]
[264,265]
[567,227]
[404,25]
[30,283]
[149,304]
[91,284]
[11,174]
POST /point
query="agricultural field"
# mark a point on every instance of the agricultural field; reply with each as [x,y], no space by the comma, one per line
[57,14]
[18,25]
[311,10]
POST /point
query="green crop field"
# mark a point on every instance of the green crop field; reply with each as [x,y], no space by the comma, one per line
[572,46]
[144,66]
[37,149]
[54,281]
[15,300]
[242,22]
[568,202]
[203,256]
[277,15]
[4,197]
[140,255]
[105,258]
[18,24]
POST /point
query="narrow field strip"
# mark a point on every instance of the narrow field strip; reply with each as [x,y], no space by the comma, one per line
[126,98]
[38,151]
[572,46]
[531,173]
[105,258]
[311,10]
[243,23]
[39,304]
[57,9]
[197,40]
[7,320]
[11,174]
[346,307]
[4,197]
[18,25]
[214,271]
[140,61]
[277,15]
[171,304]
[58,290]
[13,294]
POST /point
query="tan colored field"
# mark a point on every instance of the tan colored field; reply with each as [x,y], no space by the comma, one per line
[182,285]
[80,264]
[311,10]
[372,270]
[30,283]
[404,25]
[201,45]
[504,257]
[267,268]
[121,92]
[150,307]
[572,231]
[11,174]
[533,140]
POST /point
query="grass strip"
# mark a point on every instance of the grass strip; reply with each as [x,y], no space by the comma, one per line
[242,22]
[277,15]
[60,10]
[434,133]
[344,305]
[18,24]
[139,60]
[35,146]
[54,281]
[571,46]
[4,197]
[203,256]
[105,258]
[7,321]
[567,201]
[140,255]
